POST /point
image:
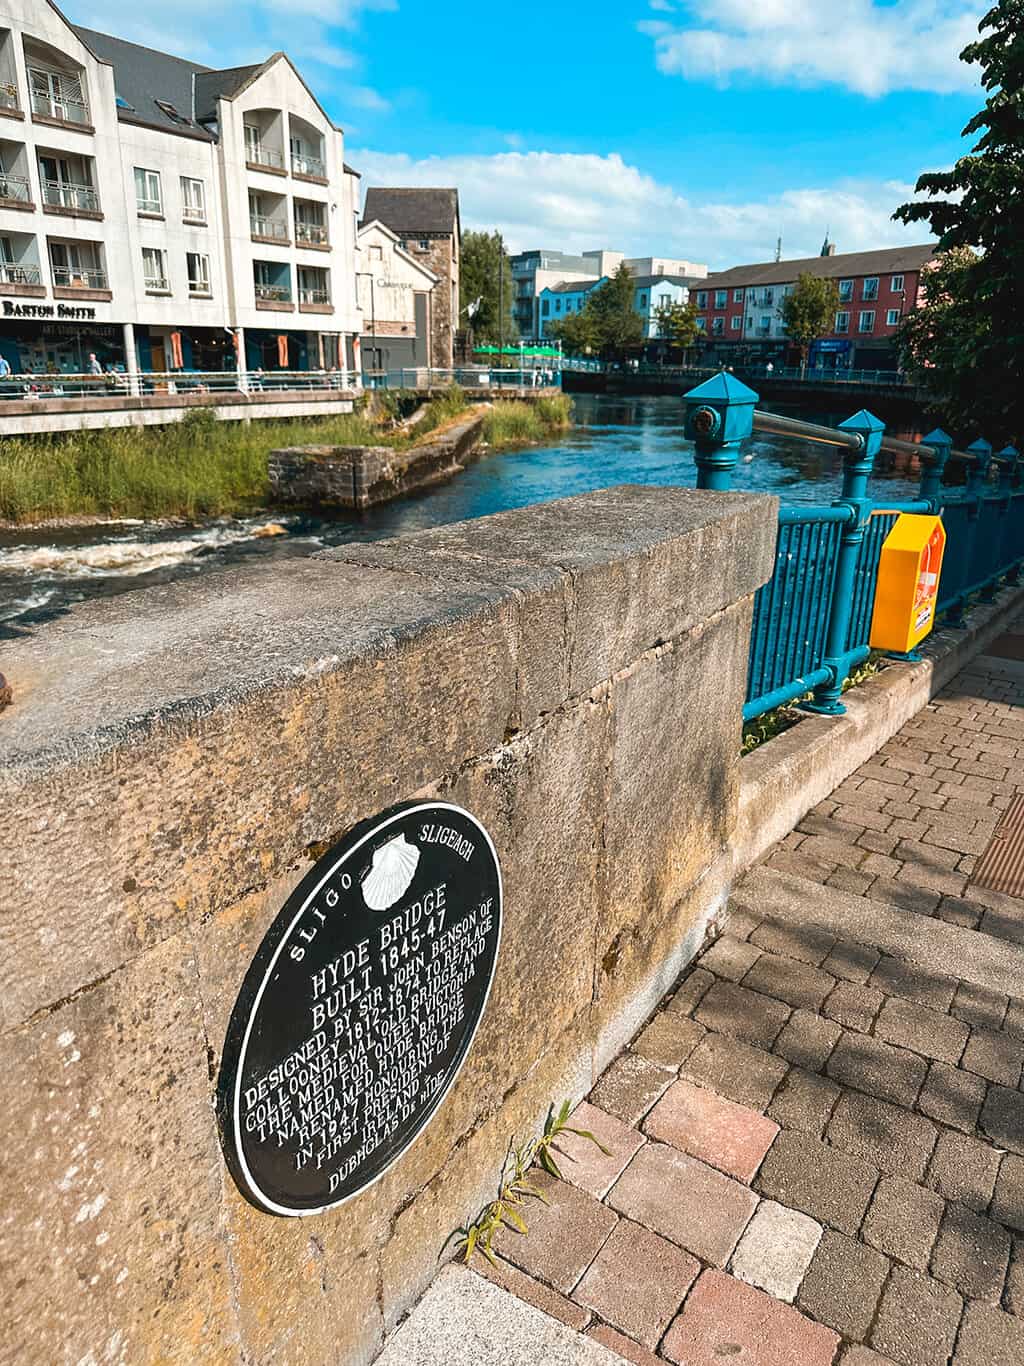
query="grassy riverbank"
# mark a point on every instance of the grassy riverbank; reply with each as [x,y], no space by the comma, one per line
[197,468]
[512,423]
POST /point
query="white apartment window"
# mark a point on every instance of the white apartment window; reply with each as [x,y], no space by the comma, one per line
[737,296]
[148,198]
[767,297]
[702,299]
[897,284]
[766,322]
[253,143]
[870,290]
[721,298]
[198,267]
[717,327]
[700,324]
[866,322]
[376,253]
[845,291]
[892,318]
[842,322]
[666,299]
[154,269]
[193,199]
[735,322]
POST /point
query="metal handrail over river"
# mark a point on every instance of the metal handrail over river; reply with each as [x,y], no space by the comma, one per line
[812,619]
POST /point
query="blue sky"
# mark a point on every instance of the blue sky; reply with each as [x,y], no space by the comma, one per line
[702,129]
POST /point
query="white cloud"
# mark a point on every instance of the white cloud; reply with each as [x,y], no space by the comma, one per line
[867,47]
[224,33]
[577,202]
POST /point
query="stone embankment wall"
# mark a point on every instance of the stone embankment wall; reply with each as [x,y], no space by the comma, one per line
[361,476]
[571,673]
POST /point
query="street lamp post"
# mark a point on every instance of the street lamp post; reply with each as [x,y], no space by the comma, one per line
[368,275]
[501,295]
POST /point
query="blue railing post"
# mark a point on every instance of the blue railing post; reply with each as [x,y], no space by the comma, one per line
[1009,471]
[933,467]
[977,477]
[857,466]
[719,415]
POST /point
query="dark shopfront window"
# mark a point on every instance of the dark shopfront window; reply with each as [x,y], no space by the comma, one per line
[42,348]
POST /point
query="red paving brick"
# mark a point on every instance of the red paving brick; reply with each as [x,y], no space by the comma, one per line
[637,1282]
[582,1163]
[684,1200]
[724,1320]
[730,1137]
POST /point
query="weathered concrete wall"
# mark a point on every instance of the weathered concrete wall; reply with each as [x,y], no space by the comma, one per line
[362,476]
[571,673]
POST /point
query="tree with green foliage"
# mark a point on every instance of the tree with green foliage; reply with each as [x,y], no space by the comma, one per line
[965,343]
[607,323]
[619,325]
[810,311]
[677,323]
[483,257]
[578,333]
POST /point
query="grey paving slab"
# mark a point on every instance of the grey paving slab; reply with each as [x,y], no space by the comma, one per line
[464,1320]
[928,945]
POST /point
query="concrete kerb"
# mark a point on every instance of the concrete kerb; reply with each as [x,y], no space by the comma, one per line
[783,779]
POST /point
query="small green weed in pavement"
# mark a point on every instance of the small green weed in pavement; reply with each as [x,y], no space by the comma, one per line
[514,1189]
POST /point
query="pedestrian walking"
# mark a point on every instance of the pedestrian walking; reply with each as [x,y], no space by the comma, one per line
[5,367]
[94,367]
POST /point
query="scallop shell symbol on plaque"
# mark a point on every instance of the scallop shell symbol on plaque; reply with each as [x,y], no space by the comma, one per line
[394,865]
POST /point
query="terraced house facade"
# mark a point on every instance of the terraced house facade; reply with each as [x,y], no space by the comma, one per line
[740,309]
[162,215]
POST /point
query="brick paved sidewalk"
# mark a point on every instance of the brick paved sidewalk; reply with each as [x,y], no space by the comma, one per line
[818,1141]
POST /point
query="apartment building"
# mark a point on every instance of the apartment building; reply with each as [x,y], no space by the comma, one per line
[162,215]
[540,273]
[650,293]
[741,308]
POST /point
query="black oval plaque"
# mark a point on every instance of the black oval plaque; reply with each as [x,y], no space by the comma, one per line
[359,1007]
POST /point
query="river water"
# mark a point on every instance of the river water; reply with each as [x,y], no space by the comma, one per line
[614,441]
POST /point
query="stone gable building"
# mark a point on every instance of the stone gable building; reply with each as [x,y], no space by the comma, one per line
[426,223]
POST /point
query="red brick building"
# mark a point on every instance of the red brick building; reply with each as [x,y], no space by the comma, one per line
[741,308]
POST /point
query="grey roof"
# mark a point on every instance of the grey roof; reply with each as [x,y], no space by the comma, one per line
[411,210]
[573,286]
[211,85]
[888,260]
[142,76]
[647,281]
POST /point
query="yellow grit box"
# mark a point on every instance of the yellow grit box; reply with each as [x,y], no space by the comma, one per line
[908,583]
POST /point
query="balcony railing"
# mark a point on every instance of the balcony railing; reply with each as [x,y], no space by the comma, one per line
[273,294]
[15,187]
[68,277]
[153,206]
[66,108]
[258,155]
[9,97]
[156,284]
[268,227]
[61,195]
[11,274]
[314,296]
[310,232]
[303,164]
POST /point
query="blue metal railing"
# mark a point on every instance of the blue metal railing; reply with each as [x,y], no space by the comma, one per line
[812,619]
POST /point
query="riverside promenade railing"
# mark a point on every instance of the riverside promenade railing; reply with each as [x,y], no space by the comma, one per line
[812,619]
